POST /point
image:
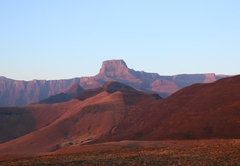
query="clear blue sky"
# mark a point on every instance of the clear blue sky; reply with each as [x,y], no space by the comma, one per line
[58,39]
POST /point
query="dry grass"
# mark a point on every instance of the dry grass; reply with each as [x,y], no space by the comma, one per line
[218,154]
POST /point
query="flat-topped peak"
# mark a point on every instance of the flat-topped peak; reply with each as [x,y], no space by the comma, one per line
[120,61]
[114,68]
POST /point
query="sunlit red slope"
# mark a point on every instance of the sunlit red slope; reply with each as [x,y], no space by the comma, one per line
[117,112]
[200,111]
[83,121]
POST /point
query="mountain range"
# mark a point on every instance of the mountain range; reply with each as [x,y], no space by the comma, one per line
[20,93]
[116,112]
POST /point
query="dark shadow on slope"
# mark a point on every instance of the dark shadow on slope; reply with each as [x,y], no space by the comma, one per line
[15,122]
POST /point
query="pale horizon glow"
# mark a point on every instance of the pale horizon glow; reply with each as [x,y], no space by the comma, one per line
[50,40]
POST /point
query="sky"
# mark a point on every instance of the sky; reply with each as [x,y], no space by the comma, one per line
[61,39]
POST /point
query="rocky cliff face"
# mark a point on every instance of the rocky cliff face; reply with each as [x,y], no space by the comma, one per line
[18,93]
[114,68]
[117,70]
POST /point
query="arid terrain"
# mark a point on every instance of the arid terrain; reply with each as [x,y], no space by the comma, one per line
[119,83]
[202,152]
[117,124]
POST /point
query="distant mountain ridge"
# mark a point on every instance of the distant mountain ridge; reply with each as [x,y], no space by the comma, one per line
[19,93]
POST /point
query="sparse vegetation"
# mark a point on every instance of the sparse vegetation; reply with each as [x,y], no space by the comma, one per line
[218,154]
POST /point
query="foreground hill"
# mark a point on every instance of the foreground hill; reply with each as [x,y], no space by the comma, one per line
[19,121]
[200,111]
[116,112]
[75,122]
[20,93]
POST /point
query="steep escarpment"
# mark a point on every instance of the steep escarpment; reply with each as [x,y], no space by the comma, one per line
[117,70]
[19,93]
[114,68]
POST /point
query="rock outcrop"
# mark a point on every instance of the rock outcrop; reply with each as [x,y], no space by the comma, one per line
[114,68]
[19,93]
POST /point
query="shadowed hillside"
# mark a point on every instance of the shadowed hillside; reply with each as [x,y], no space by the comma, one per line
[109,87]
[77,122]
[67,95]
[200,111]
[116,112]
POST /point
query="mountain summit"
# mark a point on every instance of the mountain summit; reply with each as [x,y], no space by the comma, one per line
[19,93]
[112,68]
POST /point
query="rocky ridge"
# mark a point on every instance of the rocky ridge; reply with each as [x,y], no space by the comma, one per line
[19,93]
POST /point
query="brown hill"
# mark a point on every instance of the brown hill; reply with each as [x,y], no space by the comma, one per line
[77,122]
[201,111]
[109,87]
[19,121]
[20,93]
